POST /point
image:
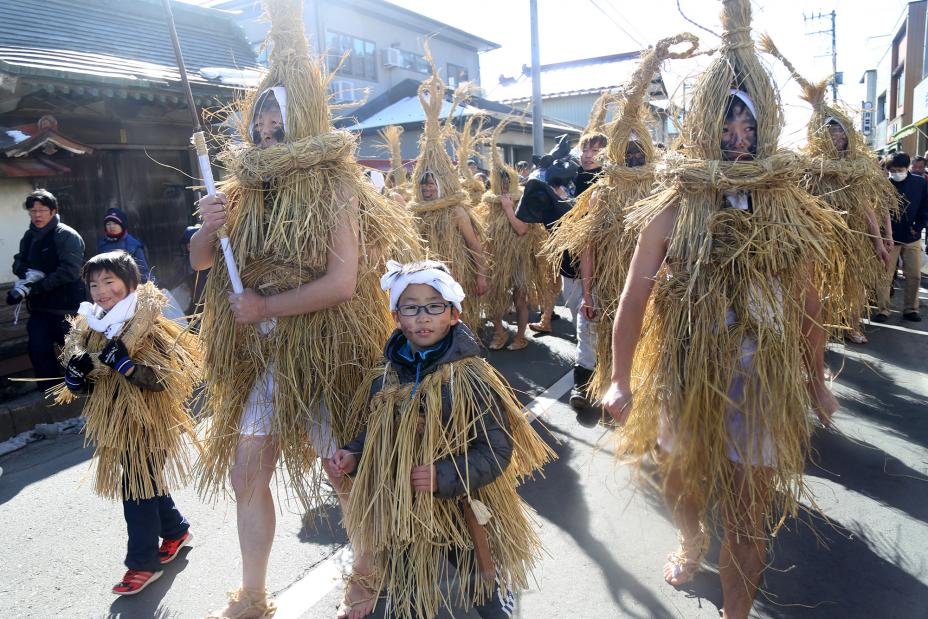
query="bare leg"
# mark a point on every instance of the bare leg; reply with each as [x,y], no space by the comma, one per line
[359,600]
[255,461]
[521,303]
[686,517]
[544,322]
[744,549]
[823,400]
[500,335]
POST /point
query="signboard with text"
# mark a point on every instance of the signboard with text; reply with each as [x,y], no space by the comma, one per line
[920,102]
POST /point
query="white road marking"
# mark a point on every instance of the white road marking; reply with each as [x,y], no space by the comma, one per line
[301,596]
[894,327]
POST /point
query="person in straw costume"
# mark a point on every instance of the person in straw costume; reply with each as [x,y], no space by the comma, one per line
[722,320]
[443,215]
[397,184]
[843,173]
[283,358]
[594,229]
[437,465]
[139,369]
[518,275]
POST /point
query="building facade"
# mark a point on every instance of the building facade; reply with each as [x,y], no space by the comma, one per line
[373,45]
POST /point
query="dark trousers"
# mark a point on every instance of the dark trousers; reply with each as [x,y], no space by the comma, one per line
[146,521]
[45,332]
[498,605]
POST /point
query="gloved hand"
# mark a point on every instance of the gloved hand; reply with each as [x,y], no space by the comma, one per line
[75,375]
[34,275]
[19,292]
[115,355]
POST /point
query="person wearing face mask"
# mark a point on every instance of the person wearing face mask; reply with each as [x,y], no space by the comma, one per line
[908,223]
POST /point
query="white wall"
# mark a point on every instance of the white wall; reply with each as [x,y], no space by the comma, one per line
[14,221]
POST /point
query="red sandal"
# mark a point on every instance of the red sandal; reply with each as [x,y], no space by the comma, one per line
[134,581]
[170,548]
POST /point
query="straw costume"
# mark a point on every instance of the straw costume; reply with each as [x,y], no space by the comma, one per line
[596,222]
[514,259]
[284,201]
[851,182]
[720,363]
[391,136]
[453,410]
[437,219]
[139,436]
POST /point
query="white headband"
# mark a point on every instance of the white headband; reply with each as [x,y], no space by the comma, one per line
[746,99]
[396,282]
[280,95]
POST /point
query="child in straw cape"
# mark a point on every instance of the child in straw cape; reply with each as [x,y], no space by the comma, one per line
[437,466]
[518,275]
[718,329]
[139,369]
[443,214]
[284,357]
[843,173]
[594,230]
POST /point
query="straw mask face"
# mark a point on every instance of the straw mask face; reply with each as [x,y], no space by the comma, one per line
[428,187]
[739,133]
[838,136]
[634,155]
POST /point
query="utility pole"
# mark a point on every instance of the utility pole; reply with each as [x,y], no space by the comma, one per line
[834,49]
[538,139]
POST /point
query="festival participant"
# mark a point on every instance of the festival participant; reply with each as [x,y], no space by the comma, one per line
[437,466]
[443,215]
[116,236]
[594,230]
[139,369]
[718,329]
[397,185]
[844,175]
[284,357]
[518,276]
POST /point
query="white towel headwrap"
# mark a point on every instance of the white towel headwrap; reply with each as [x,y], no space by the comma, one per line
[109,323]
[396,282]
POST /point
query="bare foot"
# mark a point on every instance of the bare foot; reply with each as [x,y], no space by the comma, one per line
[541,326]
[518,344]
[246,604]
[684,562]
[499,340]
[360,598]
[824,403]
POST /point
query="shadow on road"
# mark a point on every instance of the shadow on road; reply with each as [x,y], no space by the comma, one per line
[34,464]
[569,512]
[148,603]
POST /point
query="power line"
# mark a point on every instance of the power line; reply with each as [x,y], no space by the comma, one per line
[617,24]
[616,11]
[683,15]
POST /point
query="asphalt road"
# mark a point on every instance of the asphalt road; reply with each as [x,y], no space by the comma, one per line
[859,550]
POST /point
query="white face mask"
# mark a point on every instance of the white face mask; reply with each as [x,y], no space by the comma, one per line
[898,176]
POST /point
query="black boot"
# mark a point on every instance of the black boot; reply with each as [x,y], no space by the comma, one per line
[578,397]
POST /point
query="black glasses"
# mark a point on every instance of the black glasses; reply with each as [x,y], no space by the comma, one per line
[432,309]
[39,210]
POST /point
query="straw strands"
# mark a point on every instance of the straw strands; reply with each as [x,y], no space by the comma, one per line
[721,360]
[411,535]
[140,437]
[285,202]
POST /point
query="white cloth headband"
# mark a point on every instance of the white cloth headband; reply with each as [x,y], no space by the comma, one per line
[109,323]
[280,94]
[746,99]
[396,282]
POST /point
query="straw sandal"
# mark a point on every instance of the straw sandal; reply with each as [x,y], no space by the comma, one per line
[683,563]
[518,343]
[372,592]
[540,327]
[499,340]
[856,337]
[247,604]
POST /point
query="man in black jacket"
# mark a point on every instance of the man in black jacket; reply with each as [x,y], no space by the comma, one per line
[49,265]
[907,232]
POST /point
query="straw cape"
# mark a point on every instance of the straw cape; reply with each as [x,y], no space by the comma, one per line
[596,222]
[410,535]
[514,259]
[722,334]
[853,183]
[139,436]
[284,203]
[439,221]
[391,135]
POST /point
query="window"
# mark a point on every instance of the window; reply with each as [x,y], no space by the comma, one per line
[362,56]
[414,62]
[898,99]
[456,75]
[881,108]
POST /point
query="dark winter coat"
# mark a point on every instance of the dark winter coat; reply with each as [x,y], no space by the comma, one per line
[126,242]
[490,451]
[58,251]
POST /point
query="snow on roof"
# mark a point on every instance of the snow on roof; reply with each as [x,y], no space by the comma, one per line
[242,78]
[572,78]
